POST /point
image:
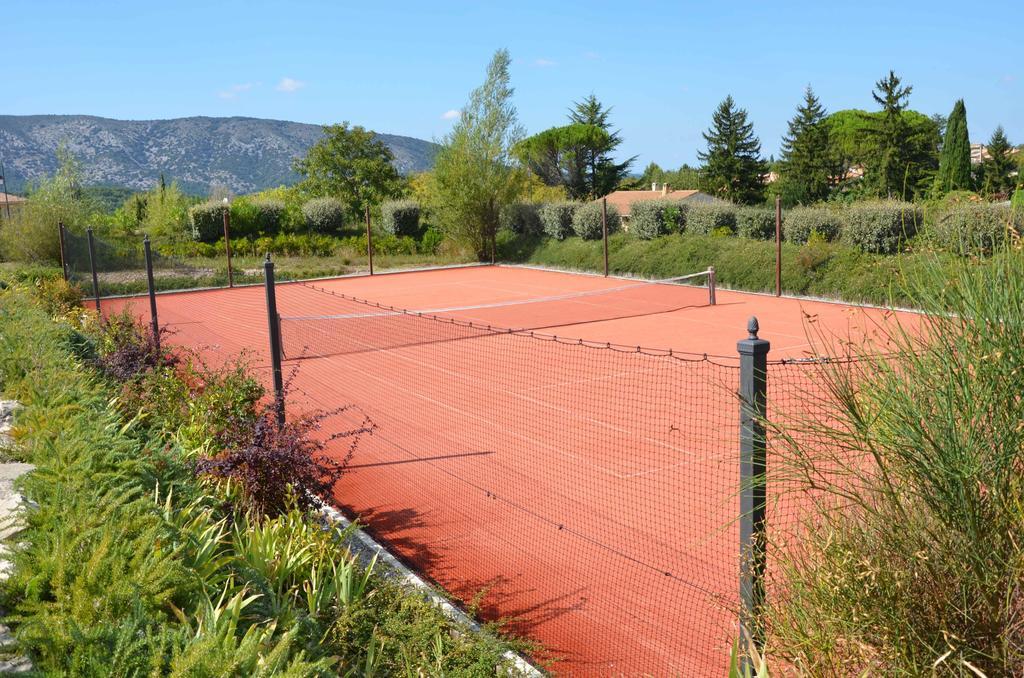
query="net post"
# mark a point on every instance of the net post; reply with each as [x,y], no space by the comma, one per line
[274,330]
[753,389]
[92,265]
[63,250]
[712,286]
[778,246]
[152,291]
[227,241]
[604,232]
[369,240]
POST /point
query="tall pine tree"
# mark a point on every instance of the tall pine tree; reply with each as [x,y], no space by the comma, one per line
[955,158]
[807,166]
[895,167]
[603,174]
[998,167]
[733,167]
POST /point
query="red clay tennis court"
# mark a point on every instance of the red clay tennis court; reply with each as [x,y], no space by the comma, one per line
[556,450]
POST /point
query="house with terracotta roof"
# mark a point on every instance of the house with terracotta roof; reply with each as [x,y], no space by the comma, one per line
[623,200]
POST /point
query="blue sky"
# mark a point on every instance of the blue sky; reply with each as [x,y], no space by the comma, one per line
[400,67]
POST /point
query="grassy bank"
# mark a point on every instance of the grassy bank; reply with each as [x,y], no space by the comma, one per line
[159,543]
[817,268]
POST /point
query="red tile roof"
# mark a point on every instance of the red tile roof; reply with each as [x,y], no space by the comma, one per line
[622,200]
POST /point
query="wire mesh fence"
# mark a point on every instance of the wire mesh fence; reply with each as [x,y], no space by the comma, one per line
[585,493]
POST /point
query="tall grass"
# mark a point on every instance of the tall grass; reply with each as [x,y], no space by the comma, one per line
[912,559]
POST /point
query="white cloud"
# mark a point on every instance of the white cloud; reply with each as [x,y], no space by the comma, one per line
[290,85]
[233,91]
[451,114]
[543,63]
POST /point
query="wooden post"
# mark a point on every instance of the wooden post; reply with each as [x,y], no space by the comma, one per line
[604,232]
[778,246]
[369,240]
[227,240]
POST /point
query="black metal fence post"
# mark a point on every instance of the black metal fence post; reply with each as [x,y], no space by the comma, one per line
[92,265]
[274,327]
[63,250]
[753,464]
[152,291]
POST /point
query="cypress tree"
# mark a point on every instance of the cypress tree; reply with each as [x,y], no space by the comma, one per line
[806,165]
[733,166]
[955,158]
[998,167]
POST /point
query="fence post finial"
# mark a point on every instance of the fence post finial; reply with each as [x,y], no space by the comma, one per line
[753,327]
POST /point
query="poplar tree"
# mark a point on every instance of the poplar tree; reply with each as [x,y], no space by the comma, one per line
[733,167]
[955,157]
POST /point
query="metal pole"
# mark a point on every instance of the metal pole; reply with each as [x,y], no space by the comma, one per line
[63,256]
[369,239]
[778,246]
[274,327]
[92,265]
[7,198]
[152,291]
[712,285]
[604,232]
[753,452]
[227,242]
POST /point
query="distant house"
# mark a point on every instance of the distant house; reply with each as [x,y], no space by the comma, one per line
[10,202]
[623,200]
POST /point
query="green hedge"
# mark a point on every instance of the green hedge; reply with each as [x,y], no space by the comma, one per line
[652,218]
[800,222]
[586,222]
[556,218]
[881,227]
[756,223]
[400,217]
[972,230]
[705,218]
[207,221]
[522,218]
[324,215]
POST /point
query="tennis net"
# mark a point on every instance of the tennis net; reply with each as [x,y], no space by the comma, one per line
[318,336]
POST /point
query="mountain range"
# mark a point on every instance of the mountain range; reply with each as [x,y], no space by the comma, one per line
[244,154]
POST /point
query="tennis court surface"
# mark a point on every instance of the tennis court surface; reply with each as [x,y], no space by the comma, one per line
[556,450]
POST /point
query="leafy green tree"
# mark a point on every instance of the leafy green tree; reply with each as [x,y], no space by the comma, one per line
[808,166]
[561,156]
[165,216]
[733,167]
[955,157]
[899,163]
[475,174]
[997,169]
[351,164]
[603,174]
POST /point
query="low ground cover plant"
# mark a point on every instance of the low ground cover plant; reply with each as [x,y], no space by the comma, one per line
[146,553]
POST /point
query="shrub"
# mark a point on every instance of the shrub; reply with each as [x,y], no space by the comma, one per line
[650,218]
[431,241]
[400,217]
[880,227]
[800,222]
[522,218]
[207,221]
[972,229]
[128,348]
[586,222]
[757,223]
[556,218]
[703,218]
[324,215]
